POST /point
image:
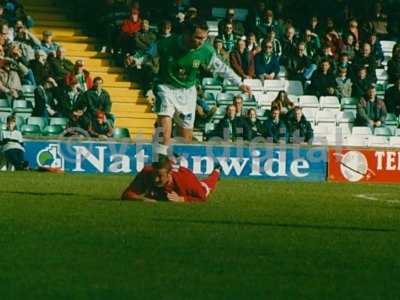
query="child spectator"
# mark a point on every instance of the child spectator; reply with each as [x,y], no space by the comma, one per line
[344,84]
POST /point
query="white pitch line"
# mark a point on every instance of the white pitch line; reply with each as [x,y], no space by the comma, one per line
[371,198]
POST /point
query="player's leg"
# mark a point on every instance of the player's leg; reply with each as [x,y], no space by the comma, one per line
[212,179]
[186,112]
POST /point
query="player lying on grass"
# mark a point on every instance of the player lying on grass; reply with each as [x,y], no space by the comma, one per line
[162,181]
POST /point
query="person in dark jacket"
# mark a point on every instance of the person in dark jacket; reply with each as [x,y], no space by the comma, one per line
[231,127]
[299,66]
[242,60]
[79,122]
[323,82]
[394,64]
[46,102]
[392,98]
[376,49]
[371,111]
[100,126]
[275,130]
[300,130]
[360,83]
[367,60]
[59,66]
[238,28]
[98,99]
[266,63]
[40,67]
[289,44]
[253,125]
[70,97]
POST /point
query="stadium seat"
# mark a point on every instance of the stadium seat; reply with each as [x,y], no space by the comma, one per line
[5,106]
[310,113]
[30,130]
[41,122]
[282,72]
[309,102]
[29,93]
[378,141]
[356,140]
[361,131]
[391,120]
[22,106]
[225,98]
[329,103]
[325,117]
[229,86]
[120,133]
[382,131]
[294,99]
[397,132]
[209,128]
[275,85]
[344,129]
[59,121]
[212,28]
[295,88]
[255,84]
[381,75]
[345,117]
[220,113]
[211,84]
[349,103]
[394,141]
[387,46]
[53,130]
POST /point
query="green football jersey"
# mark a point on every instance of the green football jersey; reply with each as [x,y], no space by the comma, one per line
[179,67]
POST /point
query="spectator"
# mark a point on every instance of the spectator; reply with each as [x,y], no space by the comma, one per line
[344,84]
[12,145]
[80,75]
[253,125]
[100,127]
[231,127]
[21,65]
[377,51]
[27,42]
[79,122]
[393,67]
[70,97]
[349,46]
[59,66]
[333,40]
[268,24]
[392,98]
[238,102]
[129,28]
[312,43]
[300,130]
[47,44]
[323,82]
[289,44]
[145,38]
[276,44]
[220,51]
[228,37]
[360,83]
[252,44]
[203,110]
[266,63]
[354,31]
[314,27]
[379,19]
[299,66]
[371,111]
[98,99]
[344,63]
[283,103]
[327,54]
[255,17]
[10,84]
[39,66]
[46,102]
[275,130]
[238,28]
[165,29]
[242,61]
[366,59]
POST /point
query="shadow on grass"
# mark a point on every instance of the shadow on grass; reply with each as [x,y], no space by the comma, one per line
[277,225]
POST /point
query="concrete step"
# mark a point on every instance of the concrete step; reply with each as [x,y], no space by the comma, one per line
[119,84]
[42,8]
[78,46]
[108,70]
[121,107]
[57,31]
[134,123]
[75,39]
[88,54]
[48,16]
[57,24]
[95,62]
[136,115]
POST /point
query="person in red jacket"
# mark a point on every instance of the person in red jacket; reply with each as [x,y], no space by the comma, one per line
[161,181]
[129,28]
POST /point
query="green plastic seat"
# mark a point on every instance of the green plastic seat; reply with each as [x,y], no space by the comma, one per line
[31,130]
[391,120]
[121,133]
[229,86]
[211,84]
[53,130]
[59,121]
[5,106]
[349,103]
[383,131]
[41,122]
[22,106]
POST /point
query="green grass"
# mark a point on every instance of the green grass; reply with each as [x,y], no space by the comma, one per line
[67,237]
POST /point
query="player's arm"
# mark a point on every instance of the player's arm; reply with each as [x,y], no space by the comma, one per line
[194,190]
[136,189]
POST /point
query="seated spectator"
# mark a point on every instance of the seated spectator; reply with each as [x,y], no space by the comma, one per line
[100,127]
[46,102]
[220,51]
[70,97]
[379,19]
[275,130]
[299,66]
[27,41]
[268,24]
[393,67]
[266,63]
[238,102]
[238,28]
[327,54]
[367,60]
[59,66]
[98,99]
[20,65]
[129,28]
[314,26]
[360,83]
[323,82]
[255,16]
[276,44]
[344,84]
[377,51]
[371,111]
[145,38]
[228,37]
[79,122]
[283,103]
[344,63]
[253,126]
[392,98]
[11,144]
[289,44]
[165,30]
[242,61]
[312,43]
[231,127]
[252,44]
[300,130]
[80,75]
[333,40]
[349,46]
[353,30]
[47,44]
[39,66]
[10,83]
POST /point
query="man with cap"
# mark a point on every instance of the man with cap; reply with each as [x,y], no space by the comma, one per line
[47,44]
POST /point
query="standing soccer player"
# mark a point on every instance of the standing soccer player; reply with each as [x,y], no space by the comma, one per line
[181,58]
[161,181]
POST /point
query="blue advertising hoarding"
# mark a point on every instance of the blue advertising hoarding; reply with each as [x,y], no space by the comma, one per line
[246,161]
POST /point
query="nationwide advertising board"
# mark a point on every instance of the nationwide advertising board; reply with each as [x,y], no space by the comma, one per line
[266,162]
[364,165]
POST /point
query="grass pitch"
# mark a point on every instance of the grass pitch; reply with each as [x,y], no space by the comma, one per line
[68,237]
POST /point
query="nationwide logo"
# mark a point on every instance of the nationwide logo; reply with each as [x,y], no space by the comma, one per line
[354,166]
[51,157]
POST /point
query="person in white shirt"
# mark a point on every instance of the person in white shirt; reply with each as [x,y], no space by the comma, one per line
[12,147]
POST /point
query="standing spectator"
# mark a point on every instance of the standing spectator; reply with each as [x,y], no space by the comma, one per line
[231,127]
[300,66]
[46,102]
[371,111]
[379,19]
[47,44]
[283,103]
[393,67]
[266,63]
[377,51]
[100,126]
[253,125]
[367,60]
[39,66]
[300,130]
[344,84]
[59,66]
[242,61]
[80,75]
[12,145]
[238,28]
[392,98]
[220,51]
[10,83]
[275,130]
[98,99]
[323,82]
[129,28]
[228,37]
[289,44]
[360,83]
